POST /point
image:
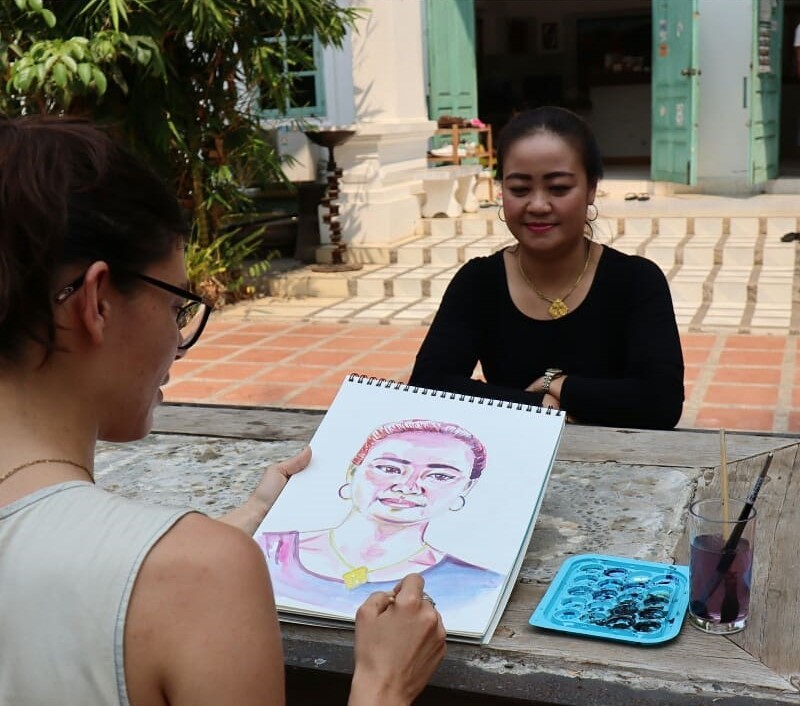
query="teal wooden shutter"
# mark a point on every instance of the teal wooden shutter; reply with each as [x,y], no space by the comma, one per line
[674,91]
[452,76]
[765,93]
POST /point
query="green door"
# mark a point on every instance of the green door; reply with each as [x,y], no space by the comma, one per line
[765,93]
[452,77]
[674,91]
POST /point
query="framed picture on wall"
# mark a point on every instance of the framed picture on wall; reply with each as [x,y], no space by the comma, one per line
[549,37]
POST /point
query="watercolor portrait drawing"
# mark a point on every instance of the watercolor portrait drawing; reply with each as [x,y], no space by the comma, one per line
[403,476]
[403,496]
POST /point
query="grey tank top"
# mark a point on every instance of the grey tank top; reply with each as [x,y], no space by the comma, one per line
[69,556]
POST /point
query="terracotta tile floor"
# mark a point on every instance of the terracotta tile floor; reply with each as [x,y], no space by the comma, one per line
[736,381]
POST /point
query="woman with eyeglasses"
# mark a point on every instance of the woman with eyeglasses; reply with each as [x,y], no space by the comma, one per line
[106,600]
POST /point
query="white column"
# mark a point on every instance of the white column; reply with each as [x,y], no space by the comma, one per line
[381,67]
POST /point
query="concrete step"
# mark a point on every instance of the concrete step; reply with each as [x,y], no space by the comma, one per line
[727,270]
[440,239]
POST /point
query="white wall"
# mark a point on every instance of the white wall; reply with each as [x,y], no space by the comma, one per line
[337,69]
[390,117]
[388,74]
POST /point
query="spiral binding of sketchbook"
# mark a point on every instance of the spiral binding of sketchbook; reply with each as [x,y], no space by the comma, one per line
[454,481]
[471,399]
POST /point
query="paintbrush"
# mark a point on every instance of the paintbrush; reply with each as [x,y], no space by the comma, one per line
[723,465]
[699,606]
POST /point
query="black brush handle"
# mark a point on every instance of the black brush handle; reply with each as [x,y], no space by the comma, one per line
[729,550]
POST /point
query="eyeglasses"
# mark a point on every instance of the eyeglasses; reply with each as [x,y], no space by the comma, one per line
[191,318]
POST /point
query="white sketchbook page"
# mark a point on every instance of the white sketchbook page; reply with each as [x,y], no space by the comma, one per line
[487,532]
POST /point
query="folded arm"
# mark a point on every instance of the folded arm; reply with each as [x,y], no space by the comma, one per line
[649,392]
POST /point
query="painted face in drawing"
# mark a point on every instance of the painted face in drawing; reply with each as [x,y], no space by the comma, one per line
[412,476]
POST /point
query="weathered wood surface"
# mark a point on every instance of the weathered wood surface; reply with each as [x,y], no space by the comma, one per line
[621,492]
[697,449]
[237,422]
[773,632]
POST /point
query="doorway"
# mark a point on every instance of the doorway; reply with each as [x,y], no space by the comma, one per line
[593,58]
[789,146]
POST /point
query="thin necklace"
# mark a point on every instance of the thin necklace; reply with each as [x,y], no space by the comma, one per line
[557,306]
[357,575]
[38,461]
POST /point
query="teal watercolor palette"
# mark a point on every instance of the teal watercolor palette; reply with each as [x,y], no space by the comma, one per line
[615,598]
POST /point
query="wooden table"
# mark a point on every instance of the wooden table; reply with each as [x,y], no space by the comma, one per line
[612,491]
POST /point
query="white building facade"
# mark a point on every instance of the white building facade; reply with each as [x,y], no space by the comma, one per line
[699,95]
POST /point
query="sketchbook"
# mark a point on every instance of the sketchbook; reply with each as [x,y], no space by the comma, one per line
[409,480]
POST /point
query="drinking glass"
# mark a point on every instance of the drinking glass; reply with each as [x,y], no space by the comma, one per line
[720,574]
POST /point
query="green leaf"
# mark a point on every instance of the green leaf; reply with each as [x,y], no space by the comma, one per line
[69,62]
[85,73]
[35,5]
[75,49]
[118,10]
[21,4]
[22,79]
[49,18]
[60,75]
[143,56]
[99,80]
[106,50]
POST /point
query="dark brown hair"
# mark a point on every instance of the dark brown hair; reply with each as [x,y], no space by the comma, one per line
[569,126]
[69,194]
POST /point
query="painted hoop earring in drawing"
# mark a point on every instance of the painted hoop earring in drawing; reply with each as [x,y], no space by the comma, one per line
[345,493]
[460,507]
[500,214]
[589,216]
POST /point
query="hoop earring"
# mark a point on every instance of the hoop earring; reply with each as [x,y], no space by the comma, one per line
[591,219]
[460,507]
[342,495]
[500,214]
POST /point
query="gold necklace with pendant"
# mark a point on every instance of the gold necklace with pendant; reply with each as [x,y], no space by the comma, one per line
[358,575]
[557,307]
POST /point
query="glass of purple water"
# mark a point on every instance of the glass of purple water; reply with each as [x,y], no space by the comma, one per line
[720,565]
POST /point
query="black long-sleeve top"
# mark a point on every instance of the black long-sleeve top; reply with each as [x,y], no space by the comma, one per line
[619,349]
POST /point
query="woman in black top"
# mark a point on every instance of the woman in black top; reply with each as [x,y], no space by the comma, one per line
[558,320]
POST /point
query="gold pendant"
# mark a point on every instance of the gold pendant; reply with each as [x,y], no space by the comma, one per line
[355,577]
[557,309]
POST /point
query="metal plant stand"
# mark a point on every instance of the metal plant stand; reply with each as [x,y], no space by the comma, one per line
[331,139]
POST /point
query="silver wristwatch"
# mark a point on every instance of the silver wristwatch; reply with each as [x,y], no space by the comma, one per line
[549,375]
